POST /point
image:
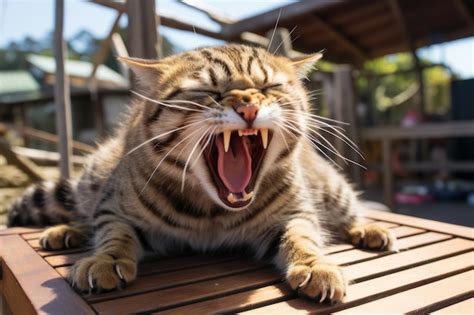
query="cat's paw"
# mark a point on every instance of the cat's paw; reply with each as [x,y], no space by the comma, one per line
[102,272]
[62,237]
[373,236]
[324,282]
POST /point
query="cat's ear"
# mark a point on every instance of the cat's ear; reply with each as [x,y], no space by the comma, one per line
[304,64]
[146,71]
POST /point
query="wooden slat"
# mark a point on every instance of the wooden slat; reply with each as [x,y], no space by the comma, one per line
[373,289]
[164,299]
[19,230]
[181,277]
[34,243]
[47,253]
[237,302]
[464,307]
[422,299]
[404,231]
[167,264]
[456,230]
[64,260]
[403,260]
[357,255]
[387,225]
[31,236]
[30,285]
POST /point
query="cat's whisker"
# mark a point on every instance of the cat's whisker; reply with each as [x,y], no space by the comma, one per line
[183,178]
[166,155]
[317,117]
[215,102]
[315,147]
[284,140]
[282,40]
[340,135]
[311,138]
[207,141]
[165,134]
[166,105]
[274,31]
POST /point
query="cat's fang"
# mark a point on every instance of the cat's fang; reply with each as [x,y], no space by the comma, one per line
[227,133]
[264,134]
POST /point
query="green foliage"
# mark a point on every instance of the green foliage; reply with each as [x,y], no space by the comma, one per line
[382,87]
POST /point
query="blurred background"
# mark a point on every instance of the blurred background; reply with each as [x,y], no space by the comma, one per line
[399,72]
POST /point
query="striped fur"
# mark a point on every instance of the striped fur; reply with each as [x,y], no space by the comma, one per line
[300,201]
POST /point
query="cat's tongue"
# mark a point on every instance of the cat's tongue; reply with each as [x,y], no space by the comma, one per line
[235,165]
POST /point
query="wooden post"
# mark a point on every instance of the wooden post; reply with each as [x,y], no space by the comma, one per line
[142,29]
[345,110]
[61,94]
[387,173]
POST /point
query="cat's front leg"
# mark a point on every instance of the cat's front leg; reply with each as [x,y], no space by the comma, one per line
[307,270]
[115,258]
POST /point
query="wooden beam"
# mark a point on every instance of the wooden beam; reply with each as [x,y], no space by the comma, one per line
[142,29]
[466,14]
[62,97]
[24,164]
[267,20]
[42,157]
[211,12]
[421,131]
[119,48]
[99,57]
[245,37]
[52,138]
[341,38]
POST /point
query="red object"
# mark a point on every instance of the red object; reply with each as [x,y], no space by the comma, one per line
[412,198]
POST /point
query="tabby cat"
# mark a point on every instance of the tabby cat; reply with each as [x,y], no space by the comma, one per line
[216,152]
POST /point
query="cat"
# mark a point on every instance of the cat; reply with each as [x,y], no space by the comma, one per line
[215,152]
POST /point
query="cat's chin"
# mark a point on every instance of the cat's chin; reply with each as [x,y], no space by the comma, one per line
[234,160]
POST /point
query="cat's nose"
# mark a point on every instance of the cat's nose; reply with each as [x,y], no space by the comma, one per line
[247,111]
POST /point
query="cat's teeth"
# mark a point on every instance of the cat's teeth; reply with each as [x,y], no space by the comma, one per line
[241,133]
[232,198]
[247,196]
[264,134]
[227,133]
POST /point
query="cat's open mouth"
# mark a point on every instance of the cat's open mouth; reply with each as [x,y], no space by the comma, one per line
[234,159]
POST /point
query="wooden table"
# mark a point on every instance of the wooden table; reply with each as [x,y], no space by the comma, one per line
[432,272]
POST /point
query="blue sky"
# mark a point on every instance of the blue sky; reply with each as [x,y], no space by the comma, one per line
[19,18]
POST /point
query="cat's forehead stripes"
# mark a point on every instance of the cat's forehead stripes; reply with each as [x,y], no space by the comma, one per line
[227,66]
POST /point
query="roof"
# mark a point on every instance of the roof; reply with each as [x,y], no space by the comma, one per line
[77,68]
[17,85]
[17,81]
[355,30]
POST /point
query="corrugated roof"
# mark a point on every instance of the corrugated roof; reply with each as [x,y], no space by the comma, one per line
[17,81]
[77,68]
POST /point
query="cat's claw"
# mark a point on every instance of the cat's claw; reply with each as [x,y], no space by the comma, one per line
[118,271]
[305,281]
[324,294]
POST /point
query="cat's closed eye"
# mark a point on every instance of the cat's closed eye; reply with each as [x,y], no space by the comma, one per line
[271,86]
